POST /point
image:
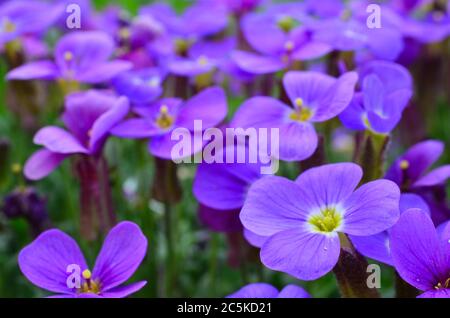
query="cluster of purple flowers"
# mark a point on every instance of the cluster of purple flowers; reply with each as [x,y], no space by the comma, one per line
[305,68]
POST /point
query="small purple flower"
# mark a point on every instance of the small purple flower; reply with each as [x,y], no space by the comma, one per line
[315,97]
[304,218]
[263,290]
[348,31]
[161,118]
[50,260]
[24,17]
[378,246]
[141,86]
[421,254]
[79,57]
[386,89]
[89,116]
[284,38]
[410,172]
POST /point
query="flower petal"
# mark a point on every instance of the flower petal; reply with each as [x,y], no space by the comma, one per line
[42,163]
[330,184]
[435,177]
[209,106]
[106,121]
[274,204]
[293,291]
[375,246]
[135,128]
[45,261]
[58,140]
[256,290]
[298,141]
[103,72]
[300,253]
[124,291]
[122,252]
[413,201]
[257,64]
[45,70]
[416,252]
[441,293]
[372,208]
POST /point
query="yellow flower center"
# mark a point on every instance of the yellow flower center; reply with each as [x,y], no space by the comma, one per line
[124,33]
[164,120]
[182,46]
[289,46]
[301,114]
[202,60]
[286,23]
[327,221]
[68,56]
[89,286]
[443,286]
[8,26]
[404,164]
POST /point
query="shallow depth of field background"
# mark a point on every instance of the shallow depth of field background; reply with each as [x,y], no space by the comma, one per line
[201,255]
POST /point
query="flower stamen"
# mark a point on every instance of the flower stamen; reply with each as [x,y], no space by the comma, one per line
[327,221]
[164,120]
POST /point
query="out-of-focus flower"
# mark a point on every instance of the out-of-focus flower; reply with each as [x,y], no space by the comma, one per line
[158,120]
[386,89]
[315,97]
[24,17]
[27,203]
[239,7]
[49,263]
[421,254]
[303,219]
[281,36]
[378,246]
[263,290]
[410,172]
[89,117]
[348,31]
[141,86]
[79,57]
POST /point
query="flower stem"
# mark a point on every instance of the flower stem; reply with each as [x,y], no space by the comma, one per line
[351,272]
[371,155]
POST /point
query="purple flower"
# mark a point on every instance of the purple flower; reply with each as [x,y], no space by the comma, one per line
[161,118]
[197,21]
[315,97]
[348,31]
[304,218]
[79,57]
[386,89]
[280,42]
[410,172]
[22,17]
[378,246]
[263,290]
[203,57]
[141,86]
[50,261]
[421,255]
[89,117]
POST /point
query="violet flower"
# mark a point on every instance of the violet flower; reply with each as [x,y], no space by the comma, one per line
[386,89]
[421,255]
[410,172]
[315,97]
[89,117]
[49,263]
[80,57]
[347,30]
[140,86]
[280,36]
[164,116]
[24,17]
[378,246]
[263,290]
[304,218]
